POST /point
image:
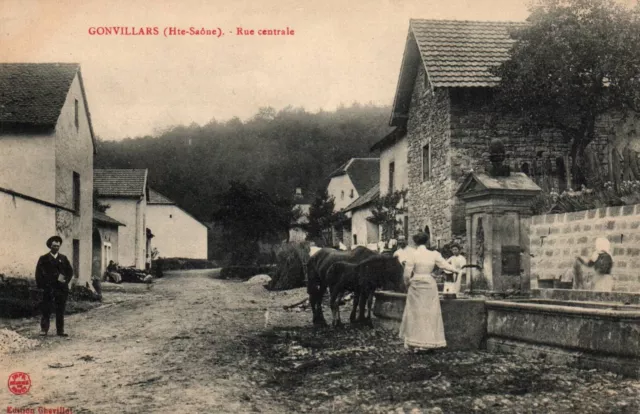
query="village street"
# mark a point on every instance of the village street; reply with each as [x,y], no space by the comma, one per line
[195,344]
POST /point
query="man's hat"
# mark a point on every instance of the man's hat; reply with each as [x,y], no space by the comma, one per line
[52,239]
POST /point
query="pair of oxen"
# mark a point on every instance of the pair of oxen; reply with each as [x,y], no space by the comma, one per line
[360,271]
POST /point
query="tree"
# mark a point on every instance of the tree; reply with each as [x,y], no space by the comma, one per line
[249,215]
[385,212]
[575,61]
[322,218]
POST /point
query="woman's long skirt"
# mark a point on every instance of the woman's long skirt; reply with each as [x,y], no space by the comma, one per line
[422,325]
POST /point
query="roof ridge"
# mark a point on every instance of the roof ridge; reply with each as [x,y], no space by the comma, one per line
[120,169]
[468,21]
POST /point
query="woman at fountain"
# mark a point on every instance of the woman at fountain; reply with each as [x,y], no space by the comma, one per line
[602,262]
[422,327]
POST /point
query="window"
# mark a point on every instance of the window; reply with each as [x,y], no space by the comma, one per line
[76,257]
[170,215]
[77,114]
[392,170]
[342,195]
[355,239]
[426,162]
[352,194]
[76,193]
[428,231]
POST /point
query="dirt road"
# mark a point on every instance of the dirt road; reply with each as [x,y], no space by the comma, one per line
[169,350]
[194,344]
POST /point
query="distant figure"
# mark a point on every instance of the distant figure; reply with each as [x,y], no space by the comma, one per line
[112,273]
[422,327]
[602,262]
[53,274]
[453,281]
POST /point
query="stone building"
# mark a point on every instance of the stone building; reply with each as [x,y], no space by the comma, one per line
[177,233]
[363,231]
[348,183]
[352,180]
[442,110]
[47,148]
[105,242]
[394,172]
[301,202]
[126,193]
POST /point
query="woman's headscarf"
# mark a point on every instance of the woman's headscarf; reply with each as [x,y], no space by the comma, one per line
[603,245]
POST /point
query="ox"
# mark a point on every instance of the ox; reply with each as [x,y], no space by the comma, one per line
[361,271]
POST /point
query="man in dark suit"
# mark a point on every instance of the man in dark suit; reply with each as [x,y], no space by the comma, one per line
[53,274]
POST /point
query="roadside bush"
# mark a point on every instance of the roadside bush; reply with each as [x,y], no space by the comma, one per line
[245,272]
[18,297]
[291,259]
[82,293]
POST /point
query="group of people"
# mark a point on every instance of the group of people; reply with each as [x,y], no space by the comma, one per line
[422,327]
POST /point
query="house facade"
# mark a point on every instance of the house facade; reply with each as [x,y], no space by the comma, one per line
[442,109]
[363,231]
[303,203]
[105,242]
[176,232]
[394,172]
[352,180]
[47,147]
[348,183]
[125,191]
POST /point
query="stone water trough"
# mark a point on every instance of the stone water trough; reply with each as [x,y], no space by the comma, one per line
[585,334]
[588,334]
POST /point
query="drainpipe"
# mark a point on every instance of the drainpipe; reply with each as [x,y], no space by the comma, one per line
[137,233]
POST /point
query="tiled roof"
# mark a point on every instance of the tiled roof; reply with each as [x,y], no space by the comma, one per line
[99,217]
[157,198]
[455,54]
[478,182]
[459,53]
[363,172]
[390,139]
[120,182]
[367,198]
[33,93]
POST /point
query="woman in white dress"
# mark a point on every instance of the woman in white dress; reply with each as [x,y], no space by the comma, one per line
[422,327]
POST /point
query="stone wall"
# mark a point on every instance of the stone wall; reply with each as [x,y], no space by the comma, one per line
[556,240]
[473,126]
[459,124]
[429,124]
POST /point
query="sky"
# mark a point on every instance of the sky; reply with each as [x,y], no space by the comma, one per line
[341,51]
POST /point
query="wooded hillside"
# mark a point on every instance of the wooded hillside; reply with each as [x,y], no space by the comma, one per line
[276,151]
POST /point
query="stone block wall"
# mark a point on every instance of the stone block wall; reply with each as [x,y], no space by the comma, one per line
[459,124]
[429,124]
[556,240]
